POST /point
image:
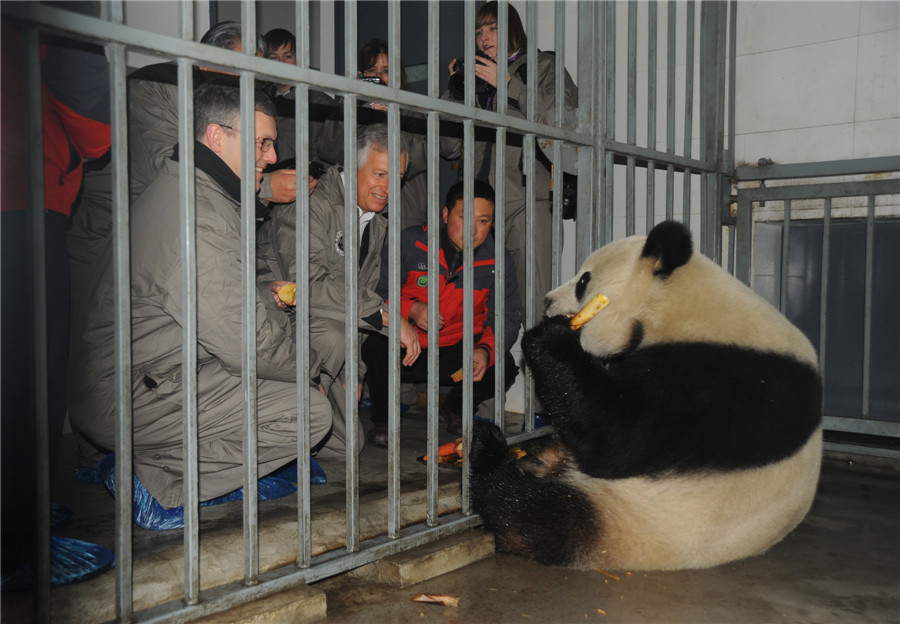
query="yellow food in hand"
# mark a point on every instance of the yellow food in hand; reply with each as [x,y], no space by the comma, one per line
[589,311]
[288,293]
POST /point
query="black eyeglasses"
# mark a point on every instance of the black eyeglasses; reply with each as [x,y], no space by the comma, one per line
[264,144]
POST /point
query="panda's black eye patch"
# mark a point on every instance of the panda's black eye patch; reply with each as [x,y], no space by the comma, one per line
[582,284]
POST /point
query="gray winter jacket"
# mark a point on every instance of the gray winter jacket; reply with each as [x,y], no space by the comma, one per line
[157,326]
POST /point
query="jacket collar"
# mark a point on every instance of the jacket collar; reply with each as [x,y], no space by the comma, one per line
[209,163]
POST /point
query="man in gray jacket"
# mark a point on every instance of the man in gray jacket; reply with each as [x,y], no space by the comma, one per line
[327,307]
[157,325]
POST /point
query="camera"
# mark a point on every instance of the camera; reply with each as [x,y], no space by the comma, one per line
[373,79]
[456,82]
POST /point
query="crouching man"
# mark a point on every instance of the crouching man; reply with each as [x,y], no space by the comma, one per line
[414,306]
[157,326]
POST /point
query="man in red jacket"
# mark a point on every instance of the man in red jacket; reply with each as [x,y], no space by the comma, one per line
[75,119]
[414,306]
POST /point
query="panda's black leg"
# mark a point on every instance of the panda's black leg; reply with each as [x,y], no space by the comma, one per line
[545,519]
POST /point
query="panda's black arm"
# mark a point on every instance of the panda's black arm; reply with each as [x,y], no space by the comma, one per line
[570,382]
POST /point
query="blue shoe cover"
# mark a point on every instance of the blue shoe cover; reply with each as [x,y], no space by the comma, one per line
[146,512]
[86,474]
[60,516]
[71,561]
[316,473]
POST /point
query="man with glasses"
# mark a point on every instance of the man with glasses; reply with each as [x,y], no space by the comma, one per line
[158,310]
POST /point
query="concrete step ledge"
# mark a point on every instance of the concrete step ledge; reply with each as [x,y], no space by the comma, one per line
[299,605]
[159,571]
[430,560]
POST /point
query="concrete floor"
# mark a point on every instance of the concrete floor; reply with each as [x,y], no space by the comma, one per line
[841,565]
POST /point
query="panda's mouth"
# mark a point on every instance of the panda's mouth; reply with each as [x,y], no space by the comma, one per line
[589,311]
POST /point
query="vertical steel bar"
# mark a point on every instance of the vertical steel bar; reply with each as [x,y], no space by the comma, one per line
[559,39]
[37,272]
[301,114]
[394,275]
[248,322]
[351,283]
[631,117]
[468,298]
[469,45]
[528,163]
[609,111]
[652,95]
[190,431]
[503,53]
[500,272]
[688,107]
[433,216]
[785,258]
[671,38]
[867,314]
[121,236]
[823,289]
[121,233]
[587,116]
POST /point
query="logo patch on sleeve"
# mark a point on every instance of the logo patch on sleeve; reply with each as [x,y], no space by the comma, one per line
[422,281]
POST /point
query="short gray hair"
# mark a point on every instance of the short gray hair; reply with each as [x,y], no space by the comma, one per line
[221,104]
[227,35]
[375,136]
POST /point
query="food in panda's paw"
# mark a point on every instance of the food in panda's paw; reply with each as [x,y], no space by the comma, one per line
[589,311]
[288,293]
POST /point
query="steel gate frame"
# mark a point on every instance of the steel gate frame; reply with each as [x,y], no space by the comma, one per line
[818,187]
[584,141]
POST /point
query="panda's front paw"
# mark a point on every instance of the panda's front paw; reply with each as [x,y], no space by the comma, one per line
[489,450]
[552,337]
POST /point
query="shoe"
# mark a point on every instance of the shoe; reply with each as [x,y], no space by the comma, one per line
[71,561]
[378,435]
[60,516]
[454,422]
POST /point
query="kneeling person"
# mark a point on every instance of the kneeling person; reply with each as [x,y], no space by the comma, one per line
[414,306]
[158,319]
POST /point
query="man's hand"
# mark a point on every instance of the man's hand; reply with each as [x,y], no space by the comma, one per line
[481,358]
[284,186]
[409,339]
[274,287]
[418,314]
[312,184]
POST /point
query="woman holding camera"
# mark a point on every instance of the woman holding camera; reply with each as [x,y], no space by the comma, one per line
[485,148]
[373,64]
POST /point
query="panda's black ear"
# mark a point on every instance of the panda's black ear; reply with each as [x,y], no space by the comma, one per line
[669,244]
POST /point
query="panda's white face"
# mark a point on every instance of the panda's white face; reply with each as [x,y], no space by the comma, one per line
[615,271]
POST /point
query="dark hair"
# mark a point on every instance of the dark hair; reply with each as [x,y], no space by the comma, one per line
[279,37]
[227,35]
[368,56]
[375,136]
[487,14]
[483,190]
[221,104]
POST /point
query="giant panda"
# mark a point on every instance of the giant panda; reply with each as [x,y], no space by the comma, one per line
[687,419]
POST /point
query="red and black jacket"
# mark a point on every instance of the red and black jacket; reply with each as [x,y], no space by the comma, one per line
[414,280]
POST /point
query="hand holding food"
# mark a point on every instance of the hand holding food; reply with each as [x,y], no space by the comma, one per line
[288,293]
